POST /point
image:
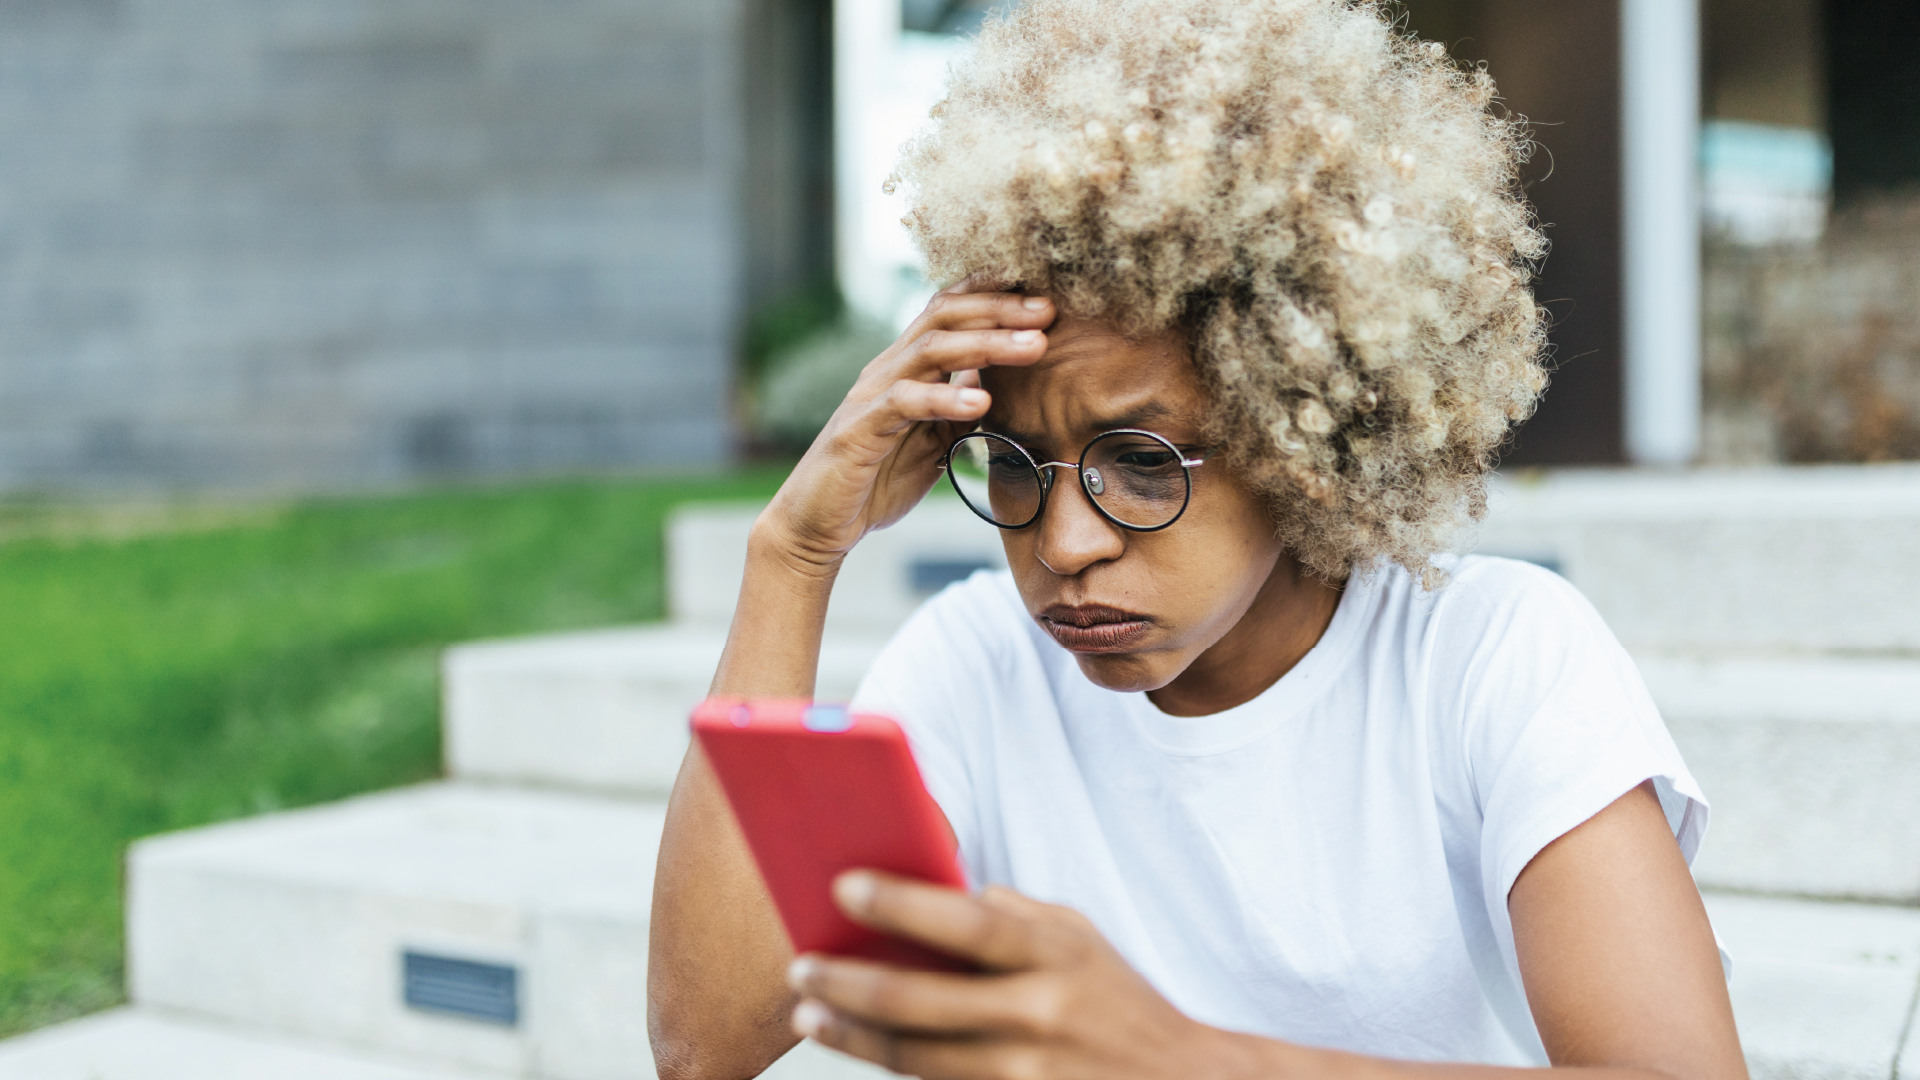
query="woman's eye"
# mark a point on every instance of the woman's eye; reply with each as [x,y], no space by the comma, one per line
[1145,459]
[1005,461]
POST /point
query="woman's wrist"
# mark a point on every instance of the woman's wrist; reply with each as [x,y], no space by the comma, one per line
[773,646]
[773,546]
[1235,1055]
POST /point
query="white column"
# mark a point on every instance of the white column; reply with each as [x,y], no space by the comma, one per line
[866,34]
[1660,122]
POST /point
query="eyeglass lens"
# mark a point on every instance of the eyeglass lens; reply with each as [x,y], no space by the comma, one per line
[1135,478]
[996,478]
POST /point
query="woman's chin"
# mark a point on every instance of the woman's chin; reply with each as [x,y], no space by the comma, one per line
[1128,673]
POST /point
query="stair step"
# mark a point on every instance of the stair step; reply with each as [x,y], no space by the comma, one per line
[603,710]
[1811,766]
[1808,761]
[145,1044]
[881,582]
[154,1044]
[1787,559]
[300,923]
[1821,989]
[295,924]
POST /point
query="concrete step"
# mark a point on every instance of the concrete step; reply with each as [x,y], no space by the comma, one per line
[1784,559]
[1822,991]
[146,1044]
[293,927]
[1809,761]
[475,927]
[879,585]
[1790,559]
[605,710]
[154,1044]
[1812,766]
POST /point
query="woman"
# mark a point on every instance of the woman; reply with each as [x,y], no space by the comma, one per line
[1260,781]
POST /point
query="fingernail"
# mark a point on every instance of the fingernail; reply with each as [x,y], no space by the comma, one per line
[1025,337]
[810,1017]
[800,971]
[973,398]
[854,890]
[1034,303]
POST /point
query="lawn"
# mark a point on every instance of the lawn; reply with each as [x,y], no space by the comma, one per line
[167,667]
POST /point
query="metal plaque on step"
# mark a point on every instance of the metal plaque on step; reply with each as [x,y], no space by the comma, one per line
[468,988]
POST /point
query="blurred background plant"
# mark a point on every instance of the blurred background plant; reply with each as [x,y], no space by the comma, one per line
[804,383]
[800,355]
[1813,349]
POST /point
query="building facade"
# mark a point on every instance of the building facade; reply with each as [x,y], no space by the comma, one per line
[321,243]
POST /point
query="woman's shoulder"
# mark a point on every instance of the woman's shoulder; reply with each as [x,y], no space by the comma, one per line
[1496,579]
[1489,597]
[1500,628]
[1513,654]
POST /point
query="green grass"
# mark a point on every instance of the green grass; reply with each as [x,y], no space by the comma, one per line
[169,667]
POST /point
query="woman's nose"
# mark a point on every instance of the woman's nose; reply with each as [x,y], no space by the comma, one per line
[1073,533]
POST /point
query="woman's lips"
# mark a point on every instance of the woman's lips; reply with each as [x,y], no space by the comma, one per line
[1093,628]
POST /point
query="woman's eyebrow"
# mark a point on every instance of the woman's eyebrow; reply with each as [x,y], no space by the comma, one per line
[1139,417]
[1136,418]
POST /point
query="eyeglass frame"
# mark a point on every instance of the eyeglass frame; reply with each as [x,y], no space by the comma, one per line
[1041,468]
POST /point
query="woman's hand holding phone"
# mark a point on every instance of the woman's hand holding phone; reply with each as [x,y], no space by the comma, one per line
[1054,999]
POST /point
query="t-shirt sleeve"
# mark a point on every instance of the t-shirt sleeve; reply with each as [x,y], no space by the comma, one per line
[1555,721]
[934,678]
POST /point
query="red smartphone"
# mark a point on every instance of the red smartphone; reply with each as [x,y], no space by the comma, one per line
[819,790]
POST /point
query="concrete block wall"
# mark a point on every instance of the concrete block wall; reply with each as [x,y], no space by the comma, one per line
[312,242]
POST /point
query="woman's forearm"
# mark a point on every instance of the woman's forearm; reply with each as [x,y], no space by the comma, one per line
[1256,1058]
[718,1005]
[773,645]
[1266,1059]
[717,997]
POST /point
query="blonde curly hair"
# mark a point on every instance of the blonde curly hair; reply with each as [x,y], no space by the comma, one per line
[1326,209]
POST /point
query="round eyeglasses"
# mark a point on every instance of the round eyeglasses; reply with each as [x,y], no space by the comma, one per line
[1136,479]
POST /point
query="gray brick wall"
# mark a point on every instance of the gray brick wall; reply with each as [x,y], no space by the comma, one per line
[330,242]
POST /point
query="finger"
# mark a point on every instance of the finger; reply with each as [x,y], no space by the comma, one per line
[927,1057]
[965,377]
[908,402]
[951,310]
[947,919]
[941,352]
[924,1001]
[1013,903]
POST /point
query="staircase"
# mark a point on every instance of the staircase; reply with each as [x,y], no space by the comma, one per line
[495,924]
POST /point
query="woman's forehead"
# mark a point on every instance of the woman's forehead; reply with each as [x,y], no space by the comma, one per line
[1092,379]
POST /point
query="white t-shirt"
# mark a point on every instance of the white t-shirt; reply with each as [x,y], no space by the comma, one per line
[1328,863]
